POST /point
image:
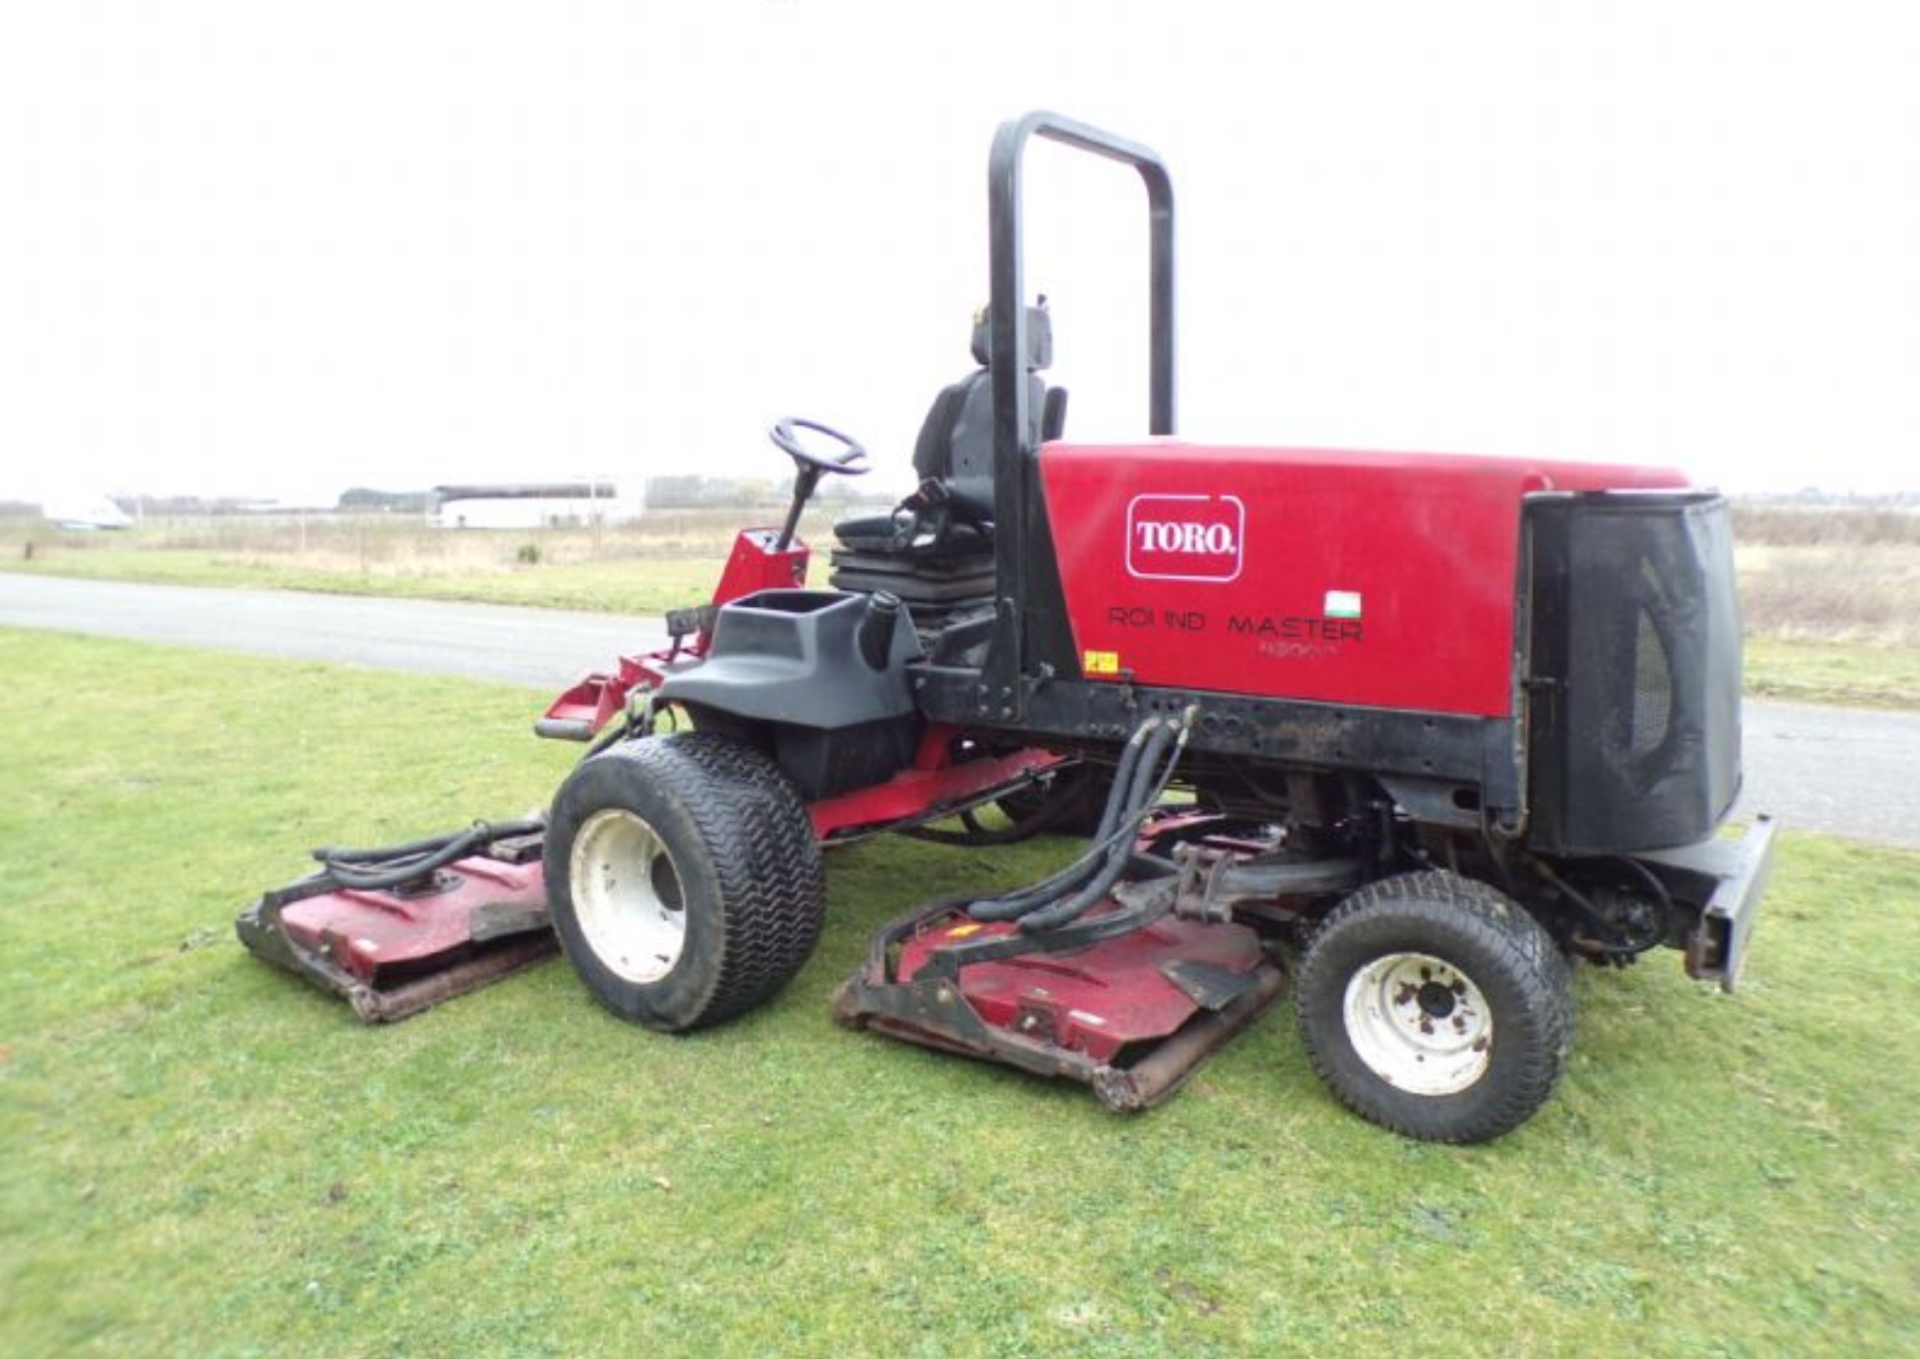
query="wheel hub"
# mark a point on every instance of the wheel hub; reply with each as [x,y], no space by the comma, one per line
[627,896]
[1436,1001]
[1419,1023]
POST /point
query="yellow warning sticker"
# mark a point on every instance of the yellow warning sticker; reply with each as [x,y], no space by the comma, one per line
[1101,663]
[962,931]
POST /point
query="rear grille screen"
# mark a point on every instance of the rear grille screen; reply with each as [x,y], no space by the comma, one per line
[1636,663]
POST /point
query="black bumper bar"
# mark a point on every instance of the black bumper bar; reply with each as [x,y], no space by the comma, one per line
[1717,946]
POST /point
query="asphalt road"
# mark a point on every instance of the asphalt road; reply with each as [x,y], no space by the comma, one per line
[541,648]
[1851,772]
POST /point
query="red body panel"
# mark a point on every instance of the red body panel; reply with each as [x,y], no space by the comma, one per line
[932,783]
[600,696]
[755,565]
[1373,579]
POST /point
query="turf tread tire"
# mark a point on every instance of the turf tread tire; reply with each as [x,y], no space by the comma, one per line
[747,857]
[1071,802]
[1513,960]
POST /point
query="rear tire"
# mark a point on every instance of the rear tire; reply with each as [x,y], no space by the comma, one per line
[1436,1006]
[1066,803]
[683,879]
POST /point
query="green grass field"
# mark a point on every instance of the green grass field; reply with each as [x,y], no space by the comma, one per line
[1812,670]
[204,1157]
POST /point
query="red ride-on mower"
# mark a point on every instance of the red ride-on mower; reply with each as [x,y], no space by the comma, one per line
[1445,726]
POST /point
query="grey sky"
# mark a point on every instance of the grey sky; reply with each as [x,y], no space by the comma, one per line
[279,249]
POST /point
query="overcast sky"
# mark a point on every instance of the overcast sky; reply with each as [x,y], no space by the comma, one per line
[279,249]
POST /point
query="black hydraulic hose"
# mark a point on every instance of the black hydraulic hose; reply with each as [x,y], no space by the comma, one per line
[406,849]
[613,736]
[1149,782]
[1620,948]
[1015,904]
[1652,879]
[374,869]
[1130,761]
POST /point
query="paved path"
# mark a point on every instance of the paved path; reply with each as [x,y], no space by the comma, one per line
[1845,771]
[1853,772]
[541,648]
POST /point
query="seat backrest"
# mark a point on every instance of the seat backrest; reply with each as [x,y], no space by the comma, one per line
[956,439]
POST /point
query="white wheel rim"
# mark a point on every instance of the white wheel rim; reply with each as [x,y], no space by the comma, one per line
[1419,1023]
[627,896]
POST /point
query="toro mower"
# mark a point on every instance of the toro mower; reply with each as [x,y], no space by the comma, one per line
[1421,731]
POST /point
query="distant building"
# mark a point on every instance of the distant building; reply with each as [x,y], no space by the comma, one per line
[86,512]
[543,504]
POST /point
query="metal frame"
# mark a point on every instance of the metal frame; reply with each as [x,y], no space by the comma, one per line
[1071,714]
[1019,518]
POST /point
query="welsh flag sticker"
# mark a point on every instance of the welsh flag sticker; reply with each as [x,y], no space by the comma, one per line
[1342,604]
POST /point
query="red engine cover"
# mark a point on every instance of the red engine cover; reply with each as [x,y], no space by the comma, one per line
[1375,579]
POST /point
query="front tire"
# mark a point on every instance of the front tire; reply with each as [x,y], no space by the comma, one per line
[683,879]
[1437,1007]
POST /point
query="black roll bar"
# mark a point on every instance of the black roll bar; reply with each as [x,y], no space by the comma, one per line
[1007,340]
[1015,519]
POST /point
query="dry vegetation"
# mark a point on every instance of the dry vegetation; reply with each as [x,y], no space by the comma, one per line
[670,560]
[1827,574]
[402,545]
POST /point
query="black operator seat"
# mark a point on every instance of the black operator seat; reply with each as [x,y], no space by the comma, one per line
[950,516]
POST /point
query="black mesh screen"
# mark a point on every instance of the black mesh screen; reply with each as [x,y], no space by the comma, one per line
[1651,717]
[1636,663]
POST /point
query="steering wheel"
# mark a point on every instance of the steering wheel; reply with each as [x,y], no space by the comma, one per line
[851,461]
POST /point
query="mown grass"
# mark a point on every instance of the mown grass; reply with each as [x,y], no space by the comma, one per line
[203,1157]
[1812,670]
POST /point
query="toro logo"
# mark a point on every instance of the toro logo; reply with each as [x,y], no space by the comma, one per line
[1185,537]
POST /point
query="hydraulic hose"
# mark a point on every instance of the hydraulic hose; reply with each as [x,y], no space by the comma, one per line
[1149,783]
[1015,904]
[1145,769]
[396,865]
[1618,947]
[1119,794]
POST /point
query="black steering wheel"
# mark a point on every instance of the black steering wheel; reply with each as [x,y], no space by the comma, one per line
[850,461]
